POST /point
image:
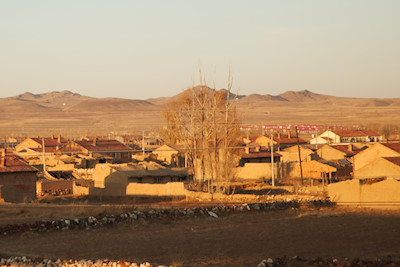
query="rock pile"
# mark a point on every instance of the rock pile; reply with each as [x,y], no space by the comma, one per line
[27,262]
[298,261]
[129,217]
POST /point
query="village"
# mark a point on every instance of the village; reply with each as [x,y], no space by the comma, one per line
[354,167]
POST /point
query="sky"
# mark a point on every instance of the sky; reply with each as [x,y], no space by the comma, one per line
[154,48]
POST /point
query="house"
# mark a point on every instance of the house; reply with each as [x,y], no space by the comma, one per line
[111,151]
[280,141]
[170,155]
[388,167]
[331,170]
[17,178]
[147,178]
[336,152]
[258,155]
[291,154]
[372,153]
[51,144]
[346,136]
[255,164]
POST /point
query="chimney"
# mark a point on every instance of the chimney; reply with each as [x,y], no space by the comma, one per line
[52,137]
[247,150]
[288,135]
[350,147]
[279,135]
[59,138]
[3,157]
[258,148]
[95,141]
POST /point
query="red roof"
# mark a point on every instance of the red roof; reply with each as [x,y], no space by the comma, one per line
[47,149]
[345,133]
[394,160]
[50,141]
[393,146]
[103,145]
[14,163]
[345,149]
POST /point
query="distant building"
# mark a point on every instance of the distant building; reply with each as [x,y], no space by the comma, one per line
[280,141]
[336,152]
[258,155]
[343,136]
[17,178]
[51,144]
[291,154]
[106,151]
[170,155]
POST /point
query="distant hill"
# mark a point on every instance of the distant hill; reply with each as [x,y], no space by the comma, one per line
[67,112]
[111,105]
[53,99]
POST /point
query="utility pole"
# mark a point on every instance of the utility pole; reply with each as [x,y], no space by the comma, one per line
[298,147]
[44,157]
[143,149]
[272,160]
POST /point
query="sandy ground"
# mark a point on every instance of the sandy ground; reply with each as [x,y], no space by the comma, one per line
[240,239]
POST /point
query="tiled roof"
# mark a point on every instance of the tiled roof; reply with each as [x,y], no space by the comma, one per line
[49,141]
[345,149]
[394,160]
[103,145]
[48,149]
[14,163]
[356,133]
[393,146]
[372,133]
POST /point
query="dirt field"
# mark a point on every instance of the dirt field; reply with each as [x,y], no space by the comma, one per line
[240,239]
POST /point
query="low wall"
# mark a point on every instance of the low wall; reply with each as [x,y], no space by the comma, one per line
[383,193]
[255,171]
[142,189]
[80,190]
[61,188]
[168,189]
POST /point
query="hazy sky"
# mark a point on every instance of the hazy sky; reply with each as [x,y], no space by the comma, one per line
[144,49]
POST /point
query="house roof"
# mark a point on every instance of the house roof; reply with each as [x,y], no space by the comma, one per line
[285,139]
[394,160]
[345,149]
[392,146]
[339,163]
[14,163]
[348,133]
[50,141]
[103,146]
[47,149]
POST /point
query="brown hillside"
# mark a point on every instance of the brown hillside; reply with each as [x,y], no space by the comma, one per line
[54,99]
[67,112]
[111,105]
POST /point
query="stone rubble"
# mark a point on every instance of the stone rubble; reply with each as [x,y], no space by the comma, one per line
[27,262]
[277,262]
[299,261]
[130,217]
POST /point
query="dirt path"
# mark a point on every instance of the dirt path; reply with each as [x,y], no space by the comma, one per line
[232,240]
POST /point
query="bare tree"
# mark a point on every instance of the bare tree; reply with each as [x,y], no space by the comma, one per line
[389,129]
[205,121]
